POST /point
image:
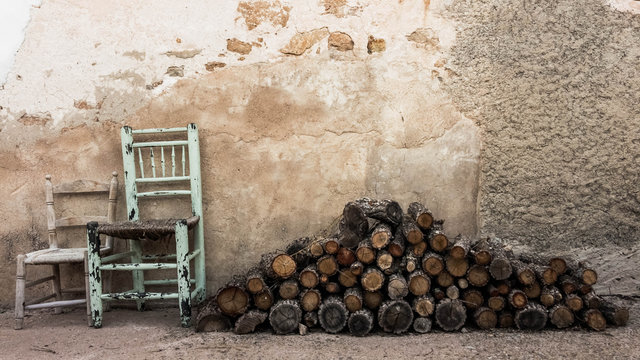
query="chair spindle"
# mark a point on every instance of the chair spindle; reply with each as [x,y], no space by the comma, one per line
[141,163]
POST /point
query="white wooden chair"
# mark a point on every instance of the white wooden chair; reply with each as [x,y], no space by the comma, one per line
[54,255]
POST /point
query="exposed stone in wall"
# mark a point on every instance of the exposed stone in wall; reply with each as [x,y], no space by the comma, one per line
[211,66]
[303,41]
[238,46]
[424,37]
[184,54]
[257,12]
[340,41]
[376,45]
[175,70]
[556,90]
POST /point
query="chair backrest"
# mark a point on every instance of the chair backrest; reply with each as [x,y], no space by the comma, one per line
[74,188]
[142,154]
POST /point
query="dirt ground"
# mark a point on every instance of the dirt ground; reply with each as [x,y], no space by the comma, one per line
[156,334]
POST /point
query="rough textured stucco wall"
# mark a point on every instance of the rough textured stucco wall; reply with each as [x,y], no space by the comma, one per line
[555,87]
[298,114]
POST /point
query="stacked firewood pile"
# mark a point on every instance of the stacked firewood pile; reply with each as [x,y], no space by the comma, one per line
[399,272]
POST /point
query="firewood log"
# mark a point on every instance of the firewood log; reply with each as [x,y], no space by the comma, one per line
[422,325]
[456,267]
[432,263]
[331,287]
[327,265]
[558,264]
[255,281]
[409,263]
[500,266]
[462,283]
[531,317]
[418,249]
[438,241]
[232,299]
[561,316]
[419,283]
[450,314]
[395,316]
[546,275]
[496,303]
[384,260]
[248,321]
[492,290]
[505,319]
[532,291]
[360,322]
[424,305]
[452,292]
[331,245]
[460,247]
[310,299]
[372,299]
[594,319]
[438,293]
[310,319]
[357,268]
[504,287]
[309,277]
[586,275]
[478,275]
[592,301]
[365,252]
[421,215]
[385,210]
[353,299]
[568,284]
[574,302]
[299,251]
[517,299]
[288,289]
[353,225]
[285,316]
[472,299]
[523,272]
[333,315]
[615,314]
[263,299]
[345,256]
[381,236]
[550,296]
[444,279]
[481,252]
[410,230]
[372,279]
[278,265]
[397,287]
[316,248]
[210,318]
[346,278]
[485,318]
[397,246]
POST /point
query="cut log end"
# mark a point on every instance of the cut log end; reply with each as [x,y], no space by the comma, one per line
[395,316]
[285,316]
[422,325]
[333,315]
[360,322]
[485,318]
[232,300]
[532,317]
[248,322]
[450,314]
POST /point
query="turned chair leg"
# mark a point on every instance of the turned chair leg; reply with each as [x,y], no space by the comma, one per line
[57,289]
[86,287]
[95,276]
[138,276]
[20,284]
[184,278]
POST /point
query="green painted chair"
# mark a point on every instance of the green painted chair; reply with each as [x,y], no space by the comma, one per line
[175,155]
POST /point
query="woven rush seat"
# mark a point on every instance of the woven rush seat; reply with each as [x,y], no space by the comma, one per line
[145,229]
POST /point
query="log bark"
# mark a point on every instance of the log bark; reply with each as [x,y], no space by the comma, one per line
[372,279]
[438,294]
[327,265]
[460,248]
[505,319]
[353,299]
[568,284]
[285,316]
[550,296]
[419,283]
[496,303]
[438,241]
[500,266]
[372,299]
[365,252]
[478,275]
[299,251]
[583,273]
[309,277]
[481,252]
[345,256]
[255,281]
[424,305]
[310,300]
[381,236]
[421,215]
[472,299]
[517,299]
[353,225]
[397,287]
[561,316]
[409,263]
[574,302]
[594,319]
[395,316]
[410,230]
[357,268]
[263,299]
[485,318]
[457,267]
[347,278]
[278,265]
[384,260]
[444,279]
[532,317]
[523,272]
[232,299]
[247,323]
[453,292]
[310,319]
[397,246]
[422,325]
[385,210]
[210,318]
[289,289]
[450,314]
[615,314]
[360,322]
[333,315]
[432,263]
[592,301]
